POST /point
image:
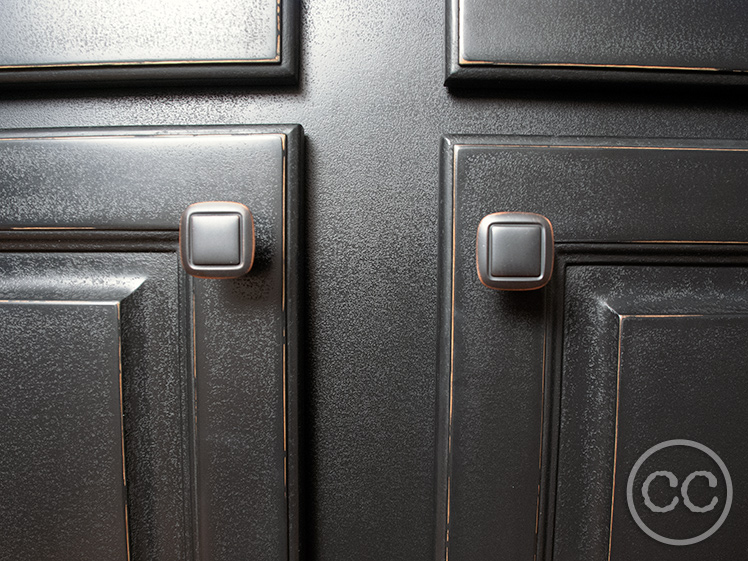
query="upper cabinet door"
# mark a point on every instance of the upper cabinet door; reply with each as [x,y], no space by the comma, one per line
[634,41]
[119,42]
[601,416]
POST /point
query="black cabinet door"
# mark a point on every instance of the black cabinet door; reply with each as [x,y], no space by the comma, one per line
[146,414]
[598,417]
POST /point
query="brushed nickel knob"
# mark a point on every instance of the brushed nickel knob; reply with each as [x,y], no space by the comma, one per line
[217,240]
[514,251]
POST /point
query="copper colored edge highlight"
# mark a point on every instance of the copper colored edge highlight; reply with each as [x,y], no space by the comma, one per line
[451,348]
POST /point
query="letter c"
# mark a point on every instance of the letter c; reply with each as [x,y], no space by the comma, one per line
[684,491]
[673,483]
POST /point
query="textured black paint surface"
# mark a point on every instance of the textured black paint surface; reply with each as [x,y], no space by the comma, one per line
[640,33]
[241,505]
[632,41]
[35,33]
[682,377]
[374,109]
[118,42]
[62,482]
[497,346]
[239,396]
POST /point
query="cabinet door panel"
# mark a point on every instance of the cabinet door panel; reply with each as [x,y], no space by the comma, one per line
[549,397]
[104,339]
[652,354]
[208,367]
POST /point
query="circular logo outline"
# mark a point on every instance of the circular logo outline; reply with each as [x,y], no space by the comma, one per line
[668,444]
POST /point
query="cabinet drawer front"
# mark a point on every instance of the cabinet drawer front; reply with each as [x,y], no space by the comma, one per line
[638,41]
[120,41]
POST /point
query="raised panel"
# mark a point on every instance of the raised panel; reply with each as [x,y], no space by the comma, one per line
[62,472]
[118,42]
[633,41]
[681,377]
[140,293]
[652,354]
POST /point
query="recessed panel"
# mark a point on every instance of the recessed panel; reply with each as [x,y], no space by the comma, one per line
[62,472]
[680,453]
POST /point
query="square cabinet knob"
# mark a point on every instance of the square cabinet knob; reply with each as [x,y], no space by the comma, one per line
[216,240]
[514,251]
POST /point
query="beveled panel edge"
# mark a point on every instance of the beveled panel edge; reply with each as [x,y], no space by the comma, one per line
[294,327]
[445,336]
[116,292]
[611,319]
[452,68]
[282,70]
[461,73]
